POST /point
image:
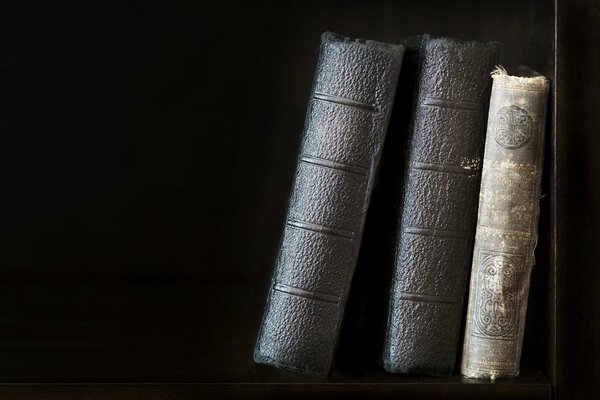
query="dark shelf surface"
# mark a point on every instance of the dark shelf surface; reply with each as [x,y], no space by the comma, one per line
[172,337]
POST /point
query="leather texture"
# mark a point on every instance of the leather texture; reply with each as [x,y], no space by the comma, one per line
[347,118]
[506,234]
[436,223]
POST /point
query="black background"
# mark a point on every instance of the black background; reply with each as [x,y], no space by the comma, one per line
[146,154]
[160,138]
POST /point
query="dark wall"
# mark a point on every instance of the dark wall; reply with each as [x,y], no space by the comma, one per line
[578,188]
[155,138]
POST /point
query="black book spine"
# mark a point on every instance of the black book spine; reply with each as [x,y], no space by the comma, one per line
[436,224]
[347,118]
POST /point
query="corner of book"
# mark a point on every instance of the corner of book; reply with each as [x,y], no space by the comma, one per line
[396,49]
[489,375]
[393,367]
[416,369]
[390,367]
[259,358]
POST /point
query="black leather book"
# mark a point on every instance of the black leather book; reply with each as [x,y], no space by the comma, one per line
[347,118]
[436,222]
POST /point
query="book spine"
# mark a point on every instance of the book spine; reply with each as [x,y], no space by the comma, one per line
[439,206]
[506,233]
[347,118]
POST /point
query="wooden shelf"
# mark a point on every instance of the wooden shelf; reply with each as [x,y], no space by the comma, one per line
[524,388]
[158,337]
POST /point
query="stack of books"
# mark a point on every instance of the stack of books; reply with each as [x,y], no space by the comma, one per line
[464,165]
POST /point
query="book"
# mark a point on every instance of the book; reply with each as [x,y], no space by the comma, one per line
[436,222]
[347,118]
[506,234]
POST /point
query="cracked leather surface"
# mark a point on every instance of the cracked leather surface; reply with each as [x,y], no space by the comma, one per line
[347,118]
[436,224]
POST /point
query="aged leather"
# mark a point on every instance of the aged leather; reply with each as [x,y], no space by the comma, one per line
[506,234]
[347,118]
[436,223]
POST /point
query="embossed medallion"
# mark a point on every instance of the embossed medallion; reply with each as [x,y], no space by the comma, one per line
[512,127]
[497,304]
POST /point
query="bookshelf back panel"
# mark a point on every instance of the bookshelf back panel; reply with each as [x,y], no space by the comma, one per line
[147,144]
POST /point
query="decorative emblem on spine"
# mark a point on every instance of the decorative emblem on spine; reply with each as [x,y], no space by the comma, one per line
[512,127]
[497,305]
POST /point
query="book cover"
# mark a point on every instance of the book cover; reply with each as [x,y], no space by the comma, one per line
[438,208]
[506,234]
[347,118]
